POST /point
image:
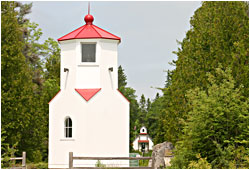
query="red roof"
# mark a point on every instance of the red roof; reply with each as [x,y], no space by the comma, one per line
[143,141]
[87,94]
[123,95]
[89,31]
[55,96]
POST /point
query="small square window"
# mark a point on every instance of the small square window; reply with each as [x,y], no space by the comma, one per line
[88,52]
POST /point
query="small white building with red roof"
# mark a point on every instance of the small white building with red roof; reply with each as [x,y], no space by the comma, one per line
[143,142]
[88,116]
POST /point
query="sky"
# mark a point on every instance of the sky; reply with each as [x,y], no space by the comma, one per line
[148,32]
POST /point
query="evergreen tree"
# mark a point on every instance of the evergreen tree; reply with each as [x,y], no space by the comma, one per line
[157,96]
[122,78]
[31,49]
[51,53]
[144,108]
[129,93]
[148,105]
[168,79]
[26,89]
[16,91]
[143,103]
[219,34]
[217,125]
[153,116]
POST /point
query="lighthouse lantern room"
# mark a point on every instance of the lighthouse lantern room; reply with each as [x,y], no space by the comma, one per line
[88,116]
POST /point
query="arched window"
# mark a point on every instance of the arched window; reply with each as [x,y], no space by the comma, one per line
[68,127]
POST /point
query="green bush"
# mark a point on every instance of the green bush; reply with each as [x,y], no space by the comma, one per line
[37,156]
[40,165]
[8,153]
[99,164]
[200,164]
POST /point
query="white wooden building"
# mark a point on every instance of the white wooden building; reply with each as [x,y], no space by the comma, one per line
[88,116]
[143,141]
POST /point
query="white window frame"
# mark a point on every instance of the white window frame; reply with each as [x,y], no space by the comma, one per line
[88,63]
[79,43]
[66,129]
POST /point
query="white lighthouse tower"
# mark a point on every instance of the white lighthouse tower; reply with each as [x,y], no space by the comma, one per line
[88,116]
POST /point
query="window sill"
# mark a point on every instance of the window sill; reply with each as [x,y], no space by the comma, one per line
[88,64]
[69,139]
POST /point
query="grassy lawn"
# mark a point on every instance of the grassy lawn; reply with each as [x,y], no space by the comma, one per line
[40,165]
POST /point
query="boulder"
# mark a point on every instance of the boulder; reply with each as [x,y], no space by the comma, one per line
[162,154]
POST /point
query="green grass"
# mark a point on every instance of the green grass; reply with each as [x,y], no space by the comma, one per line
[40,165]
[144,162]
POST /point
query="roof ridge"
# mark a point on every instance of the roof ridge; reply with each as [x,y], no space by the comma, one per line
[106,31]
[70,33]
[96,31]
[88,32]
[80,31]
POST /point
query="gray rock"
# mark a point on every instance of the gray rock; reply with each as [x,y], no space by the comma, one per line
[162,154]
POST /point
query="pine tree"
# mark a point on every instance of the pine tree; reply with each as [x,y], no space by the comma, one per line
[50,51]
[217,124]
[122,78]
[148,105]
[129,93]
[26,89]
[219,34]
[153,118]
[16,78]
[31,33]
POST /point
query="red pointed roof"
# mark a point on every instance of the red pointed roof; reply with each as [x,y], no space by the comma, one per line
[89,31]
[87,94]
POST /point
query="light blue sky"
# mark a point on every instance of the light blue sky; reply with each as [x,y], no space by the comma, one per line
[148,31]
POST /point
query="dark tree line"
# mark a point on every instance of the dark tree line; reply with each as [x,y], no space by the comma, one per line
[205,102]
[30,78]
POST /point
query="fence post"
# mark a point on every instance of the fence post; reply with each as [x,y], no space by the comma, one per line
[70,160]
[153,162]
[24,160]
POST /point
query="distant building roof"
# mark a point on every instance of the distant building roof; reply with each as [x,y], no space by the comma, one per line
[143,141]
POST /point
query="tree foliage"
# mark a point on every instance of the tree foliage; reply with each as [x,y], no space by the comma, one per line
[129,93]
[16,90]
[217,124]
[203,110]
[26,86]
[153,118]
[201,163]
[219,34]
[208,114]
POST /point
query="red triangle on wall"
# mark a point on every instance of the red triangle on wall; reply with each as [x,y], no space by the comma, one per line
[87,94]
